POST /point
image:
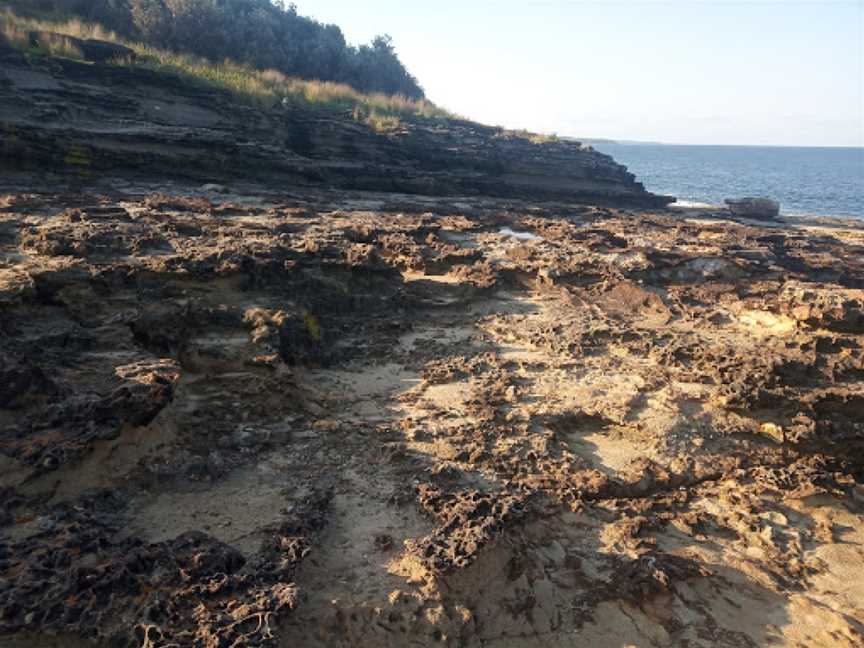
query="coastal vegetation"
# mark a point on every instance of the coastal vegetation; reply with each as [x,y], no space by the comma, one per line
[534,138]
[263,53]
[263,88]
[259,34]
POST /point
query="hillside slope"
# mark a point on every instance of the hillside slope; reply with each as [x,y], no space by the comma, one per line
[261,33]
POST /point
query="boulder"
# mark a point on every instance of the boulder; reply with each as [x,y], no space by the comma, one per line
[102,51]
[91,49]
[762,208]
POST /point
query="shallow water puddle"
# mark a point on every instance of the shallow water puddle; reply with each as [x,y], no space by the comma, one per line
[522,236]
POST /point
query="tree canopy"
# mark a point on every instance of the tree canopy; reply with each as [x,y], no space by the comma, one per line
[261,33]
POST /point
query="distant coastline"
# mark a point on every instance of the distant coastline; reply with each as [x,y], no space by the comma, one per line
[600,140]
[626,142]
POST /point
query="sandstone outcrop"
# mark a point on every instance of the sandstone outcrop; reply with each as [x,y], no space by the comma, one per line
[759,208]
[93,50]
[355,419]
[95,119]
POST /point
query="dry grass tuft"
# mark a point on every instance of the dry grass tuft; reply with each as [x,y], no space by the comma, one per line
[14,34]
[383,123]
[534,138]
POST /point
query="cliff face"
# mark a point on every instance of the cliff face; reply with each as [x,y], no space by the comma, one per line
[90,118]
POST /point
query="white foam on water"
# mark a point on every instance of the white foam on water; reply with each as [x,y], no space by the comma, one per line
[693,204]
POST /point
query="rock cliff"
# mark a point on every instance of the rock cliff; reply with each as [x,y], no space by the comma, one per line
[94,119]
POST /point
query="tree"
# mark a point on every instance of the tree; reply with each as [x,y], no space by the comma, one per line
[262,33]
[377,68]
[151,20]
[199,27]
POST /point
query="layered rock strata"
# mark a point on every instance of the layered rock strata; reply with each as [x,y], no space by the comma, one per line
[97,119]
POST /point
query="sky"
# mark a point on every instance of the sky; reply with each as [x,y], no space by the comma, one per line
[752,72]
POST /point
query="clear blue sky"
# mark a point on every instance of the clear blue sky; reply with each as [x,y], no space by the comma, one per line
[706,72]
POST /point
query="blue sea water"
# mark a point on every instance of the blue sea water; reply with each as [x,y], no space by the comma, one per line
[806,180]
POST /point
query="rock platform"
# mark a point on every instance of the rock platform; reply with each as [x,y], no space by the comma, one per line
[261,417]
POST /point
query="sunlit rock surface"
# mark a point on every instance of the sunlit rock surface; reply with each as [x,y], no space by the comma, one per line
[242,417]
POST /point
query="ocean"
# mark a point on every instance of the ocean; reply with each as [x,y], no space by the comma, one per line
[805,180]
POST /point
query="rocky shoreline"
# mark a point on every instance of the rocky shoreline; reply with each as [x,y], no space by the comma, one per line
[273,377]
[243,417]
[90,120]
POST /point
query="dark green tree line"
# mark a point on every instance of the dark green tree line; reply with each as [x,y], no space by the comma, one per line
[261,33]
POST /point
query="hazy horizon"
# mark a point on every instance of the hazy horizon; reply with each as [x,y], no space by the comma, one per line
[702,73]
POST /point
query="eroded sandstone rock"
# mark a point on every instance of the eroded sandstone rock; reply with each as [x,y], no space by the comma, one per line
[357,419]
[87,120]
[759,208]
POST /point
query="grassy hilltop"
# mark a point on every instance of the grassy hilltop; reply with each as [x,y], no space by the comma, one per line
[259,33]
[316,70]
